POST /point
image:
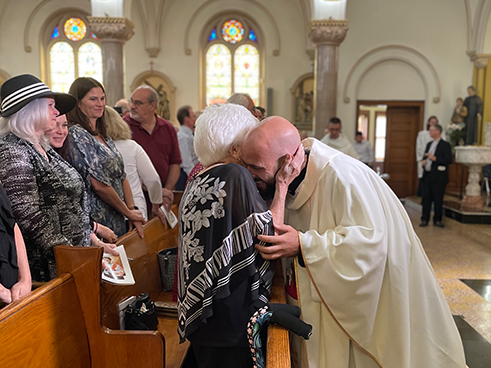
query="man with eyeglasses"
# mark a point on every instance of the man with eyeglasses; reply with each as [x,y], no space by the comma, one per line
[335,138]
[157,137]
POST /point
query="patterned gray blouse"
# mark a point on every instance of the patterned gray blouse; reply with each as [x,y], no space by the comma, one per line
[91,157]
[48,202]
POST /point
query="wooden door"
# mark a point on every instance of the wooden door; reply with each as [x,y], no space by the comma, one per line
[403,124]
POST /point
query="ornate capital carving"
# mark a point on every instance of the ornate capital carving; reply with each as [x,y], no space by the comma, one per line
[153,51]
[481,63]
[111,28]
[328,31]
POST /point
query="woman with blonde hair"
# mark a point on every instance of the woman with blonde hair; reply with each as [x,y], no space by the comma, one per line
[137,165]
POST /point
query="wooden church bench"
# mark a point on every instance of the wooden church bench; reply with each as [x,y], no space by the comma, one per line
[146,272]
[59,324]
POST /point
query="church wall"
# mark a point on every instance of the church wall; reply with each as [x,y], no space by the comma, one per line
[184,70]
[435,29]
[13,21]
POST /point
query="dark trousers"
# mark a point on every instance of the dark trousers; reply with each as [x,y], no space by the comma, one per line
[432,192]
[181,182]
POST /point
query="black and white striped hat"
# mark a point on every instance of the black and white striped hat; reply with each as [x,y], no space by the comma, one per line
[18,91]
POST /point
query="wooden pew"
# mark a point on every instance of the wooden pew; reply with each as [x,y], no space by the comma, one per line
[59,324]
[146,272]
[147,279]
[66,322]
[278,347]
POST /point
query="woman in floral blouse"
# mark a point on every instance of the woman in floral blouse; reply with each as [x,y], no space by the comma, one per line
[96,158]
[222,280]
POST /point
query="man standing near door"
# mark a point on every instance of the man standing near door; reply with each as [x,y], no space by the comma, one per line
[437,157]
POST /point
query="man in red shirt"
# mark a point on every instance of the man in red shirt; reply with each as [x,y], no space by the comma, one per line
[157,137]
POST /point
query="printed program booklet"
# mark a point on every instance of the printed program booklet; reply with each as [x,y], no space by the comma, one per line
[116,269]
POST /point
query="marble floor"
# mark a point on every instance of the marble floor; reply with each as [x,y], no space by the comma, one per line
[454,258]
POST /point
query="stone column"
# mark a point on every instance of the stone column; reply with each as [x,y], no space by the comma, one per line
[113,33]
[481,86]
[327,35]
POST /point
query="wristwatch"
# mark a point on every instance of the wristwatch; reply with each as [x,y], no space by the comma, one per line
[135,208]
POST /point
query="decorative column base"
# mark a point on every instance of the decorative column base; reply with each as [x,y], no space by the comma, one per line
[472,202]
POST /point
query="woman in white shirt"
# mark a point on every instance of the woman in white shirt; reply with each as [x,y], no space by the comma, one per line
[137,165]
[421,142]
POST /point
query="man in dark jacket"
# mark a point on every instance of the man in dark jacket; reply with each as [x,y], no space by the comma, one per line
[437,157]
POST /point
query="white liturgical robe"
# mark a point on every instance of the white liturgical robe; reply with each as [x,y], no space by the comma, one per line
[421,142]
[341,143]
[367,287]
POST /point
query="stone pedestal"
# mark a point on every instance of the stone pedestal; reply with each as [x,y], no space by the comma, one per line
[475,158]
[113,33]
[327,35]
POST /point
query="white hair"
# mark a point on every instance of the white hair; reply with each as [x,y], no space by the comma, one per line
[27,122]
[219,127]
[153,96]
[241,99]
[124,104]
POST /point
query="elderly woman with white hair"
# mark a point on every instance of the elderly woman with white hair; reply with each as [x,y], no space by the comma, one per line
[46,194]
[222,280]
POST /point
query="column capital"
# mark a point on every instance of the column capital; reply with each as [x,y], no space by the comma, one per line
[111,28]
[481,63]
[328,31]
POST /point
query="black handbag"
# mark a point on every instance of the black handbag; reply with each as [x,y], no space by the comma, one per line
[167,262]
[141,314]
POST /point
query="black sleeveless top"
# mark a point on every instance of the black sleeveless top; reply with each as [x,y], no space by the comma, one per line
[8,254]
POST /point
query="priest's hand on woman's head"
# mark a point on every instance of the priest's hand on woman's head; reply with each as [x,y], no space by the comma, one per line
[287,244]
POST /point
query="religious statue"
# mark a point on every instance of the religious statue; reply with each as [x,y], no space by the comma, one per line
[305,107]
[473,103]
[460,112]
[163,107]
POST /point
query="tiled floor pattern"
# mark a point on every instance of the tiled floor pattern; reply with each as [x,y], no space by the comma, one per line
[453,258]
[477,349]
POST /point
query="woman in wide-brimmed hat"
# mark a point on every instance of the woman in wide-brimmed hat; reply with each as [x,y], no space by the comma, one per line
[46,193]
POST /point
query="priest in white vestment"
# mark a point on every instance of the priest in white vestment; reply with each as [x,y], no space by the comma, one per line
[336,139]
[367,285]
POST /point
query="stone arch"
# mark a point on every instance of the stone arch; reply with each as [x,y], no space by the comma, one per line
[405,54]
[3,76]
[192,21]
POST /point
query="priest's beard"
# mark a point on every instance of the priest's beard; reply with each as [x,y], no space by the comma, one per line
[267,191]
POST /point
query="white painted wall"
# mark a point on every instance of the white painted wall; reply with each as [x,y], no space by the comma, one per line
[436,29]
[280,71]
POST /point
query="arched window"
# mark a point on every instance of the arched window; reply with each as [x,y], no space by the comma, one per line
[72,51]
[232,60]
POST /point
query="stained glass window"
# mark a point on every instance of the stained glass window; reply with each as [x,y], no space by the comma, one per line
[90,61]
[55,33]
[246,71]
[62,66]
[213,35]
[252,35]
[232,31]
[218,74]
[75,29]
[92,35]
